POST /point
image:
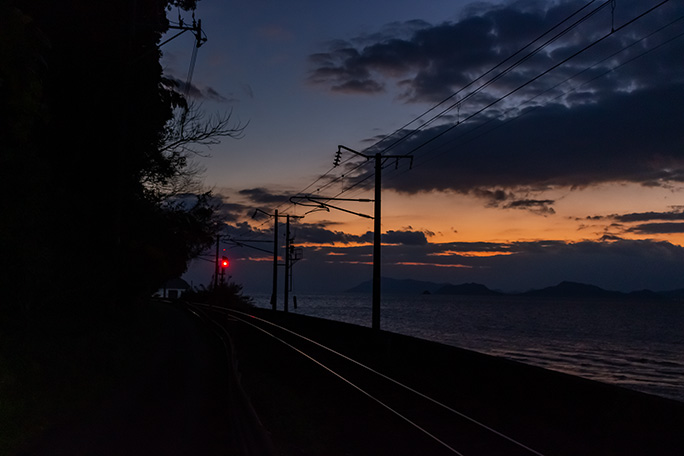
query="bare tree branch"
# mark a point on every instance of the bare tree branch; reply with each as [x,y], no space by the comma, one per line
[191,127]
[186,134]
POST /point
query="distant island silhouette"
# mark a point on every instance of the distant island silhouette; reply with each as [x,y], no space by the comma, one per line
[565,289]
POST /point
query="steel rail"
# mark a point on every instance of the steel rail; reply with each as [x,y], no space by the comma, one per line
[350,383]
[264,444]
[396,382]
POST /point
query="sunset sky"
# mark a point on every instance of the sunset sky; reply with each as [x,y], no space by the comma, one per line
[558,153]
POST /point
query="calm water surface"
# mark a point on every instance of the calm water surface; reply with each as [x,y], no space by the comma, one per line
[632,344]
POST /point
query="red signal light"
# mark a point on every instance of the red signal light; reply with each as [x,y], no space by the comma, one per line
[224,262]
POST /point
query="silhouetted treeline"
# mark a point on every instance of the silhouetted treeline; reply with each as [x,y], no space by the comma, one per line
[84,116]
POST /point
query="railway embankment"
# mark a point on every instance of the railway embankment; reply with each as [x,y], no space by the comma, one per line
[174,395]
[308,410]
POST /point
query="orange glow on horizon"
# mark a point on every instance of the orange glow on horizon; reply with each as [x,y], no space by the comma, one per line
[368,263]
[471,253]
[437,265]
[579,215]
[251,258]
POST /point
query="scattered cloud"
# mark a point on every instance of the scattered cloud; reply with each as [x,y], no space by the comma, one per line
[658,228]
[629,138]
[605,115]
[671,222]
[261,195]
[677,214]
[199,93]
[429,62]
[404,237]
[612,263]
[541,207]
[318,233]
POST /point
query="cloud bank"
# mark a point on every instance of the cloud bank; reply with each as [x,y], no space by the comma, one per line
[608,114]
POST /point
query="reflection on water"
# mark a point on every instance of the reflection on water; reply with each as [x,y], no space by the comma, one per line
[631,344]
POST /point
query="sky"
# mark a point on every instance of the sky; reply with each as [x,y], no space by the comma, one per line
[557,152]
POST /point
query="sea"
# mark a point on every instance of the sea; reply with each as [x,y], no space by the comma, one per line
[632,344]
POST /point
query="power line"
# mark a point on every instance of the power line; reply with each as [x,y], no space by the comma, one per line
[477,90]
[499,75]
[441,149]
[540,75]
[590,14]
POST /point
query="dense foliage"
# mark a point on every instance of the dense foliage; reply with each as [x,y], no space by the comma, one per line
[86,114]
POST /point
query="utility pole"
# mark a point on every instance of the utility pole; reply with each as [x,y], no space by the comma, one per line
[287,257]
[377,225]
[377,243]
[274,290]
[216,263]
[287,262]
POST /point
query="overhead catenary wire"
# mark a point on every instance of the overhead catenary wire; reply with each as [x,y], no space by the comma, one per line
[489,82]
[497,76]
[436,152]
[540,75]
[364,177]
[535,78]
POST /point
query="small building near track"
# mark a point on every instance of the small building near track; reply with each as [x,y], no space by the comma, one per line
[173,289]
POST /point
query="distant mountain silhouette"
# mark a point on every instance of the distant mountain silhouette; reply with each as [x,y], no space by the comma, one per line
[564,289]
[389,285]
[573,290]
[467,289]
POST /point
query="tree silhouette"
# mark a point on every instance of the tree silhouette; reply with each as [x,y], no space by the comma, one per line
[92,152]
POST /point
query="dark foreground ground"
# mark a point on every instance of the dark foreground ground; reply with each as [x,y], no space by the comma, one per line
[308,413]
[176,396]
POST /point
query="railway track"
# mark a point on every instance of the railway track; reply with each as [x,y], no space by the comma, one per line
[381,412]
[248,435]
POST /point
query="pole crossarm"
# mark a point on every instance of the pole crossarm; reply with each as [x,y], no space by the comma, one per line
[368,157]
[196,28]
[340,147]
[257,210]
[321,202]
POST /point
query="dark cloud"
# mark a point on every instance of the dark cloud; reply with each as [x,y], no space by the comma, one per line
[507,199]
[263,196]
[607,115]
[212,94]
[193,91]
[317,233]
[632,137]
[231,212]
[542,207]
[614,263]
[646,216]
[429,62]
[404,237]
[668,222]
[359,86]
[224,210]
[658,228]
[351,79]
